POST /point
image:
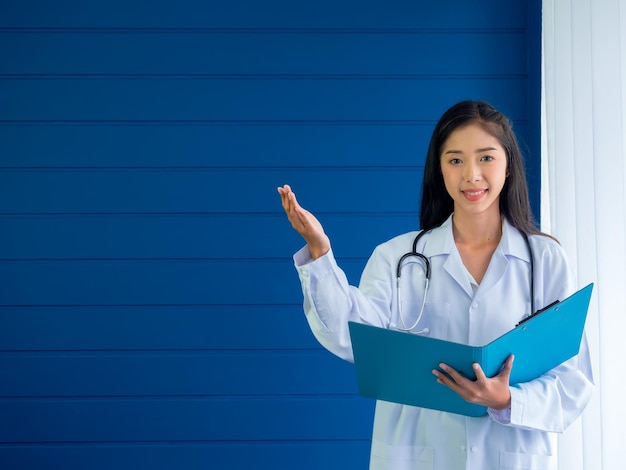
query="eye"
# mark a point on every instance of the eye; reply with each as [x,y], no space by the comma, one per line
[455,161]
[486,158]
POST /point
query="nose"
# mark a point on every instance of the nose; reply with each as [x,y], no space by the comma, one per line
[471,172]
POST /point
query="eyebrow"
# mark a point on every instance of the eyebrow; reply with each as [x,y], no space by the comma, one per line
[486,149]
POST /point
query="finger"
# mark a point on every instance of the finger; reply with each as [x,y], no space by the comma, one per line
[284,193]
[480,374]
[508,367]
[289,199]
[456,376]
[444,379]
[441,377]
[282,190]
[299,217]
[296,209]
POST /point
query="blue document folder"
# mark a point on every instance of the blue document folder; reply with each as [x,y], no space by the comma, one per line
[397,366]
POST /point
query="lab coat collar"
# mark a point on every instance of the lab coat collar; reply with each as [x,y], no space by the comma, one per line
[513,243]
[440,242]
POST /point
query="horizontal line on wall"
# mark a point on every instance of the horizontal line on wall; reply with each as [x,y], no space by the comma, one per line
[229,397]
[190,351]
[173,443]
[219,260]
[208,30]
[220,214]
[159,305]
[238,122]
[303,76]
[182,398]
[350,168]
[256,77]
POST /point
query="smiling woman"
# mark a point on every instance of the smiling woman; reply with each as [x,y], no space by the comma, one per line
[484,279]
[474,169]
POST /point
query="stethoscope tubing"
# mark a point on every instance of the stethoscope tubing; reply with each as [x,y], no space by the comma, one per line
[427,275]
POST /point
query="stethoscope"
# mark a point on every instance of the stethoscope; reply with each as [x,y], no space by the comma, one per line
[427,272]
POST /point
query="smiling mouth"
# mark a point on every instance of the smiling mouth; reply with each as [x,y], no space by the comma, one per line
[474,195]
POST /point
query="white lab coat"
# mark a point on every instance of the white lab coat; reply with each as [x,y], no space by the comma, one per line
[407,437]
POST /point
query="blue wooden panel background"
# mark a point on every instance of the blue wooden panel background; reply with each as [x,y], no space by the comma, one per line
[150,315]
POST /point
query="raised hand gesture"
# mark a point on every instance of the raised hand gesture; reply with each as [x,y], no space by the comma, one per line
[305,223]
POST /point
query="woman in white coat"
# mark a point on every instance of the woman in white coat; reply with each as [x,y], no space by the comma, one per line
[476,213]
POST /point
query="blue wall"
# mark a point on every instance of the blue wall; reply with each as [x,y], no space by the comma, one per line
[150,316]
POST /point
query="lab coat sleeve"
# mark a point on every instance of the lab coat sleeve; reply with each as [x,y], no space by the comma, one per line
[556,399]
[330,302]
[553,401]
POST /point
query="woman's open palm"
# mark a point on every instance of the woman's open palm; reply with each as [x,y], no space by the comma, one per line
[305,223]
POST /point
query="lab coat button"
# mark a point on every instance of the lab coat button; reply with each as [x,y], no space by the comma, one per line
[462,448]
[474,449]
[474,305]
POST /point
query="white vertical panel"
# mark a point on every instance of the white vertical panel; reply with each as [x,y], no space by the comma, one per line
[584,136]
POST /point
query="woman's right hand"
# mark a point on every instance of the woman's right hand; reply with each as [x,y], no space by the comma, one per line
[305,223]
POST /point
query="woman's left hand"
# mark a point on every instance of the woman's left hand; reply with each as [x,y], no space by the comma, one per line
[490,392]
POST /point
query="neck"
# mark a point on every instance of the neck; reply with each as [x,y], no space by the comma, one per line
[477,229]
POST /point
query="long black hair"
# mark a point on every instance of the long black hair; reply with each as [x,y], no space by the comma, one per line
[437,205]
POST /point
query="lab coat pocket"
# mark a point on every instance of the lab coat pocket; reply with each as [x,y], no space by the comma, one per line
[386,456]
[513,460]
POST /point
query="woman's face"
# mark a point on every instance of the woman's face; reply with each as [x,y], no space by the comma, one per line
[474,168]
